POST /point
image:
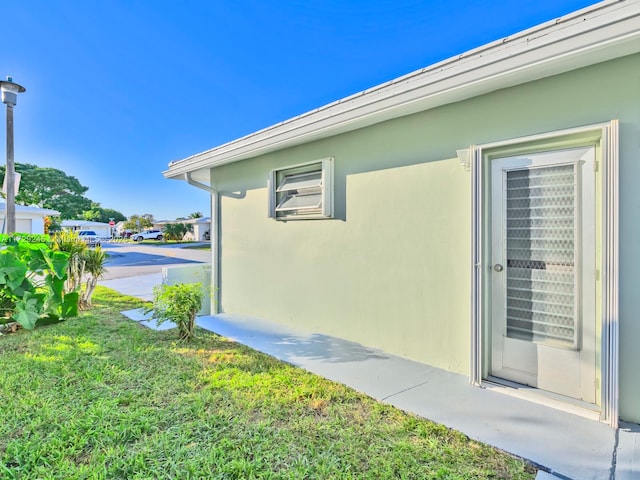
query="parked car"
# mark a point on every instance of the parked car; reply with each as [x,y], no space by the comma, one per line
[89,237]
[147,235]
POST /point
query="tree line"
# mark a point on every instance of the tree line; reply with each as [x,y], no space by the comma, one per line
[51,188]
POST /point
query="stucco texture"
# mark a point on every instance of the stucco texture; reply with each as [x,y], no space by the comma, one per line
[393,269]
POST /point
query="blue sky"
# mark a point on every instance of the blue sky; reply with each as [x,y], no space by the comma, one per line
[116,89]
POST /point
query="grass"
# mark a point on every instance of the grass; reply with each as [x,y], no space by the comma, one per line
[100,397]
[199,246]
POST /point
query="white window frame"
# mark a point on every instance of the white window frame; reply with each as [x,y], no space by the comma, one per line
[288,184]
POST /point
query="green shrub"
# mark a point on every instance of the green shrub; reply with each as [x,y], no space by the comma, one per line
[178,304]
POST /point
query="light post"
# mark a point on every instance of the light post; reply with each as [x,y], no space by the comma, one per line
[10,92]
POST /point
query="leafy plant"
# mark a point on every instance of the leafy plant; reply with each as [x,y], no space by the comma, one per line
[179,304]
[32,278]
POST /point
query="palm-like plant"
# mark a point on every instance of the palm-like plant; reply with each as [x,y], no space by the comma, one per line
[94,268]
[175,231]
[84,264]
[67,241]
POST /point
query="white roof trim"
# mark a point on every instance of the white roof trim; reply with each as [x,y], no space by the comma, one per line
[82,223]
[194,221]
[602,32]
[29,210]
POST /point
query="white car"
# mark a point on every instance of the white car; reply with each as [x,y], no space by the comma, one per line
[89,237]
[147,235]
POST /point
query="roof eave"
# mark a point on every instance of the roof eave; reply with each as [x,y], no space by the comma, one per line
[605,31]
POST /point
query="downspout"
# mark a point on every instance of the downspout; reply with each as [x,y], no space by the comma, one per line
[215,240]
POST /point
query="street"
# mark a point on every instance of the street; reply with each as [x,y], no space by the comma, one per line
[129,260]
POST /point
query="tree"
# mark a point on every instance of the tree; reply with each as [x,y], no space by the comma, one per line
[50,188]
[137,222]
[196,215]
[98,214]
[69,205]
[54,225]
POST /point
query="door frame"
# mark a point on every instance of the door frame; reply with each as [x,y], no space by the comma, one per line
[605,138]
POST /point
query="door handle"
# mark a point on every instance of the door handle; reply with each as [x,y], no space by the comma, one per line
[498,268]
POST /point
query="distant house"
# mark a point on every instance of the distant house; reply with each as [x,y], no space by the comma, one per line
[201,227]
[120,230]
[28,219]
[479,215]
[103,230]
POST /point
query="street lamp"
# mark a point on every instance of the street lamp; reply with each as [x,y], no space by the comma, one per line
[10,93]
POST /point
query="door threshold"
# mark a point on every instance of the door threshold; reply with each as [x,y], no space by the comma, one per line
[542,397]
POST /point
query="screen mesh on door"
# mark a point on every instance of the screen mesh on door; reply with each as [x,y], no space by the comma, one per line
[541,211]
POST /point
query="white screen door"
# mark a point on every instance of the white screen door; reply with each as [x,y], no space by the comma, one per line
[543,271]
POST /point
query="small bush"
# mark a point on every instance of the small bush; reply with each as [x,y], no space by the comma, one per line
[178,304]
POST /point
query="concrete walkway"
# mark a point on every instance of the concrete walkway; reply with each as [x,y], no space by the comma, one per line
[565,446]
[140,286]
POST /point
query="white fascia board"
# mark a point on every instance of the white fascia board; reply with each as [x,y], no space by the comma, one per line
[602,32]
[195,221]
[32,211]
[82,223]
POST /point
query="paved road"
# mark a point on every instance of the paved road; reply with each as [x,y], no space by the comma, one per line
[129,260]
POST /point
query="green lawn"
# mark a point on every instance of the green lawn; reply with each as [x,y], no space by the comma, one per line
[99,397]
